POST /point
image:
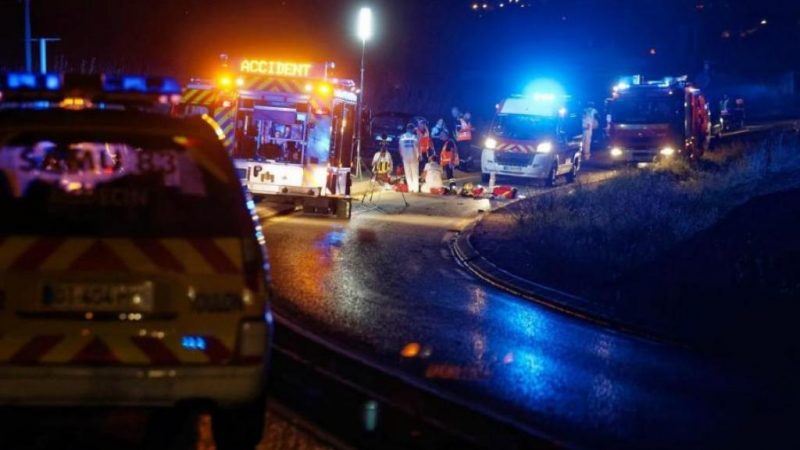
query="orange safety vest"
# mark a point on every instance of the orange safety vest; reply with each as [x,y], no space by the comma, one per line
[448,157]
[424,141]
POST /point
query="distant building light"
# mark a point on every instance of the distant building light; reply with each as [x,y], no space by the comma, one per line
[652,51]
[474,6]
[763,21]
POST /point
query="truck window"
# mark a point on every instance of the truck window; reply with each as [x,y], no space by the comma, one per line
[645,110]
[272,132]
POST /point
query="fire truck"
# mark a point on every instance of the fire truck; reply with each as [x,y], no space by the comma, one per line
[651,120]
[290,128]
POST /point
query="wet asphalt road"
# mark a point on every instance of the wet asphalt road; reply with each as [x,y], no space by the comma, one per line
[386,279]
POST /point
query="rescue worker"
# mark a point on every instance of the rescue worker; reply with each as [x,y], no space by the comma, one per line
[382,163]
[589,125]
[432,176]
[456,113]
[464,134]
[409,151]
[739,112]
[439,133]
[448,157]
[723,104]
[425,143]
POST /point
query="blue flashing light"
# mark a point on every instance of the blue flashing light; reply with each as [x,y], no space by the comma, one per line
[32,81]
[52,82]
[621,86]
[22,81]
[193,342]
[134,84]
[170,86]
[141,84]
[544,97]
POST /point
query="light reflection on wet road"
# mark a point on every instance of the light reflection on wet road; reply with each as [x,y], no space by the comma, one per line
[385,280]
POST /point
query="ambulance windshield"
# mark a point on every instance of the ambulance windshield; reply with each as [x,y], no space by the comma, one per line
[524,127]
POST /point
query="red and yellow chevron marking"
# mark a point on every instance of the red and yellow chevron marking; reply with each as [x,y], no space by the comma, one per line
[284,86]
[274,84]
[205,97]
[226,119]
[185,256]
[111,350]
[515,147]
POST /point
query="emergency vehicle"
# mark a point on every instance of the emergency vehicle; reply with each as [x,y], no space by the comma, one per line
[290,128]
[648,120]
[132,272]
[533,136]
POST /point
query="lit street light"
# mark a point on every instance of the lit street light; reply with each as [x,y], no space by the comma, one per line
[364,33]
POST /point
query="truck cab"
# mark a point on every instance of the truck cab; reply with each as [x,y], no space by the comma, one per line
[657,119]
[533,137]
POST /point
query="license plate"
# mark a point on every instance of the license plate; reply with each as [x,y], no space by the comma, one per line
[114,297]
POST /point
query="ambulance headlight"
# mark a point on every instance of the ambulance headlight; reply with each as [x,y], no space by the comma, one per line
[667,151]
[490,143]
[544,147]
[616,152]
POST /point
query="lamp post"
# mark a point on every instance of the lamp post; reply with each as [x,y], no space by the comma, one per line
[43,52]
[364,33]
[28,53]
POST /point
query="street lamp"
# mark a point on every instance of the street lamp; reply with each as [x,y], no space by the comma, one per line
[364,33]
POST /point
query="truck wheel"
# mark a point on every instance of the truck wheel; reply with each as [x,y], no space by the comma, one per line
[550,181]
[342,208]
[192,423]
[240,427]
[485,177]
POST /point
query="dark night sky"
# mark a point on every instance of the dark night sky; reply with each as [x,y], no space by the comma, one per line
[419,41]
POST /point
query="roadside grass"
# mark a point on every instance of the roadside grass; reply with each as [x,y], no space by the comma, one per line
[594,235]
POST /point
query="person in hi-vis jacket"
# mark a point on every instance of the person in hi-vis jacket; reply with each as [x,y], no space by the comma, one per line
[409,151]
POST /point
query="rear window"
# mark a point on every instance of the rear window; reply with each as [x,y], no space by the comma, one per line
[115,184]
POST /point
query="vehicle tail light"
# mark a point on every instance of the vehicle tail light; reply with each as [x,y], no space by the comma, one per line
[253,341]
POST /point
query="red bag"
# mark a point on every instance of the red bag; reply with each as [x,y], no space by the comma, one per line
[401,187]
[505,192]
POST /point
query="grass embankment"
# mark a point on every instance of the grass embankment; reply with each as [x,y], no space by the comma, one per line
[651,247]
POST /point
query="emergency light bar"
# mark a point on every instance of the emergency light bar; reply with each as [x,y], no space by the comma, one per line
[32,81]
[638,80]
[115,89]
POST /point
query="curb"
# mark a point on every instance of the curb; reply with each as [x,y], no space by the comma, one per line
[265,212]
[467,256]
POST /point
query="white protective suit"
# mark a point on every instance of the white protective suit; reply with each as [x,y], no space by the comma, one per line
[409,151]
[589,124]
[433,177]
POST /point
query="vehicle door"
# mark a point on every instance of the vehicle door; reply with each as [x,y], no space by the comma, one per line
[569,135]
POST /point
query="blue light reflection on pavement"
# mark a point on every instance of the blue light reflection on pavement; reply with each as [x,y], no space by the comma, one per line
[568,378]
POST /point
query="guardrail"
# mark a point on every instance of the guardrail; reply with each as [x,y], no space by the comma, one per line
[369,406]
